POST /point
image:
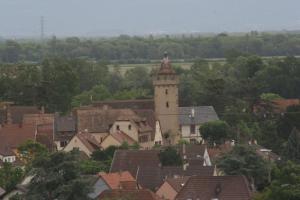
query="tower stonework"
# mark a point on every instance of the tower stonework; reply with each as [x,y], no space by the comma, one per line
[165,84]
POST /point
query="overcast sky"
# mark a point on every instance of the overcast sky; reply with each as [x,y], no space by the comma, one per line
[104,17]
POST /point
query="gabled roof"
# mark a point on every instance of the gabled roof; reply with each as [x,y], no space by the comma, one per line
[113,180]
[13,135]
[141,194]
[144,165]
[175,171]
[192,151]
[89,141]
[17,112]
[220,187]
[177,183]
[197,115]
[122,137]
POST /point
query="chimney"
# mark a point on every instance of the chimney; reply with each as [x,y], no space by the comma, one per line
[8,116]
[193,113]
[42,110]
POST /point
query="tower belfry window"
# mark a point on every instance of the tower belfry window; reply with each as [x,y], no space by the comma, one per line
[166,91]
[167,104]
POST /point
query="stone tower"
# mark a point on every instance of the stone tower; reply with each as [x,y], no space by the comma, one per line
[165,84]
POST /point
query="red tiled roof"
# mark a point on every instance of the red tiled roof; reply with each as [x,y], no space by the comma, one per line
[13,135]
[282,104]
[114,180]
[220,187]
[141,194]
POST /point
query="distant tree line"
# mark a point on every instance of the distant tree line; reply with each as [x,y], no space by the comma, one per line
[127,49]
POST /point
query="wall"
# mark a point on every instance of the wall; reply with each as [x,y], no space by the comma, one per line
[133,133]
[185,133]
[109,141]
[76,143]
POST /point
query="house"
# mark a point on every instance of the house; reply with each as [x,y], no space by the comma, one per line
[274,106]
[12,136]
[195,154]
[146,167]
[171,187]
[215,187]
[190,120]
[116,139]
[64,130]
[111,181]
[139,194]
[84,142]
[101,122]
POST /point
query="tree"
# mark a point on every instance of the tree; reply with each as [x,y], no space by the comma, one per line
[215,132]
[270,96]
[170,157]
[285,184]
[292,148]
[30,150]
[10,176]
[59,84]
[57,176]
[243,160]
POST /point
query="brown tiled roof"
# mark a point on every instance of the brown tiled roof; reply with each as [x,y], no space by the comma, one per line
[221,187]
[113,180]
[41,118]
[144,165]
[173,171]
[13,135]
[45,135]
[98,120]
[17,112]
[89,141]
[177,183]
[122,137]
[141,194]
[192,151]
[65,127]
[127,104]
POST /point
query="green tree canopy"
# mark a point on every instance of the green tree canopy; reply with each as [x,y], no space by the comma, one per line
[215,132]
[170,157]
[243,160]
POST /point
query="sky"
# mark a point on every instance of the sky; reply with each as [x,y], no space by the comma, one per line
[21,18]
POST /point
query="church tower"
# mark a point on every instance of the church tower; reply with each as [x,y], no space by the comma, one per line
[165,84]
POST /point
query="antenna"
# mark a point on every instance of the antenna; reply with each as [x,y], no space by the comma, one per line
[42,28]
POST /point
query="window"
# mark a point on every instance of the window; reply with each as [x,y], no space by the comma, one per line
[64,143]
[192,129]
[166,91]
[143,138]
[129,127]
[167,104]
[118,127]
[193,141]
